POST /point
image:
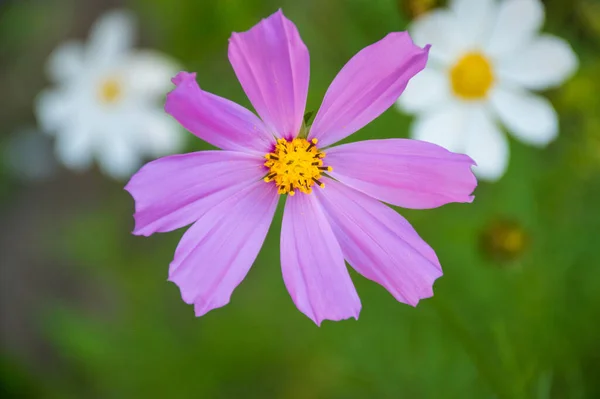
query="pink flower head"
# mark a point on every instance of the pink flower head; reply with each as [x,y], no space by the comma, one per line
[332,211]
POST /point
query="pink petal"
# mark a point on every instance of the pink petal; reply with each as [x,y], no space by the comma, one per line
[406,173]
[215,254]
[177,190]
[367,85]
[272,64]
[379,243]
[216,120]
[313,266]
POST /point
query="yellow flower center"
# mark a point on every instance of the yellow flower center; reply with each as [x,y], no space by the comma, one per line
[505,240]
[296,164]
[110,91]
[472,76]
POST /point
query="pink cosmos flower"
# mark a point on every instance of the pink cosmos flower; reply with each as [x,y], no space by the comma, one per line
[332,210]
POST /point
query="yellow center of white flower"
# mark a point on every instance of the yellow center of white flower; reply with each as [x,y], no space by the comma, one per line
[110,91]
[296,164]
[472,76]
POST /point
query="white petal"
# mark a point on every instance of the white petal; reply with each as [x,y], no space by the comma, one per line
[149,74]
[440,29]
[546,62]
[444,126]
[517,23]
[475,18]
[161,134]
[487,145]
[66,62]
[428,89]
[529,117]
[74,145]
[118,157]
[111,36]
[53,109]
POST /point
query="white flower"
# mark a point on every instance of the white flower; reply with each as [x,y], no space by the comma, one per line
[485,57]
[105,104]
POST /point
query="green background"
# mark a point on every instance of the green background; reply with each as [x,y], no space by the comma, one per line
[87,311]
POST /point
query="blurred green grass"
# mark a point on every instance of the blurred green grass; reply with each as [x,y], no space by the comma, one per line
[523,328]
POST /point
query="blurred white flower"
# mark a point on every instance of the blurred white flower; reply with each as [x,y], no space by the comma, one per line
[106,102]
[485,57]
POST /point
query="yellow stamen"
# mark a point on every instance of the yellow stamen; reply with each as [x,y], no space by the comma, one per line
[472,76]
[295,165]
[110,91]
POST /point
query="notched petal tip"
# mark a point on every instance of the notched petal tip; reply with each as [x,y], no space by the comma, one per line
[182,81]
[128,187]
[272,64]
[474,182]
[406,36]
[457,155]
[470,160]
[183,77]
[423,292]
[426,291]
[137,194]
[201,307]
[214,119]
[407,173]
[464,158]
[319,321]
[370,82]
[138,231]
[278,13]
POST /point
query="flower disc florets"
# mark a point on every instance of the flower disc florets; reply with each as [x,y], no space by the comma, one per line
[296,164]
[472,76]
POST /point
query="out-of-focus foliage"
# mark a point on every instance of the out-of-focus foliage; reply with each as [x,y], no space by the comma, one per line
[519,326]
